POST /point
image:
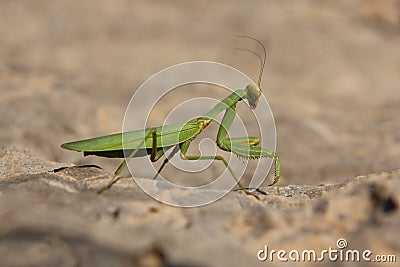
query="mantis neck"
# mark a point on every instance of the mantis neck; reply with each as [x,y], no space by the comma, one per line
[232,99]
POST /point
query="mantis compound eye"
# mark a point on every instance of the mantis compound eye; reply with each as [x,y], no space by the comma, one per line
[253,94]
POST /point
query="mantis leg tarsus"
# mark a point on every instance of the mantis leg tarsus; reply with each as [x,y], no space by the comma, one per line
[112,181]
[250,193]
[257,190]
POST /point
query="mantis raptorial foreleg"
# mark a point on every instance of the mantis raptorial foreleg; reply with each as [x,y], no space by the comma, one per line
[247,145]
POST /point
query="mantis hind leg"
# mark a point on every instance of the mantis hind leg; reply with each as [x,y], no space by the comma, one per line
[155,154]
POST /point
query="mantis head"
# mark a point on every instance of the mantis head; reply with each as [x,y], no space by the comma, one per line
[253,95]
[254,91]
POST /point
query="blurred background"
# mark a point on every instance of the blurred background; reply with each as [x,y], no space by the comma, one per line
[69,68]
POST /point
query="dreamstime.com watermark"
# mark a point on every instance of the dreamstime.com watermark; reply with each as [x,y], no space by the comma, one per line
[331,254]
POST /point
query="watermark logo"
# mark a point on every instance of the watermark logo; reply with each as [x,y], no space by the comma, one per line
[341,243]
[331,254]
[179,78]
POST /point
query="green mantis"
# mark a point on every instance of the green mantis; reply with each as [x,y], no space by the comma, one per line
[154,141]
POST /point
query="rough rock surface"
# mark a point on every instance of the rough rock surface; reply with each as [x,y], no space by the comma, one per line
[55,218]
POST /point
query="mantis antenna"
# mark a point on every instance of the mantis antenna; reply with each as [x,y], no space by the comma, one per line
[262,59]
